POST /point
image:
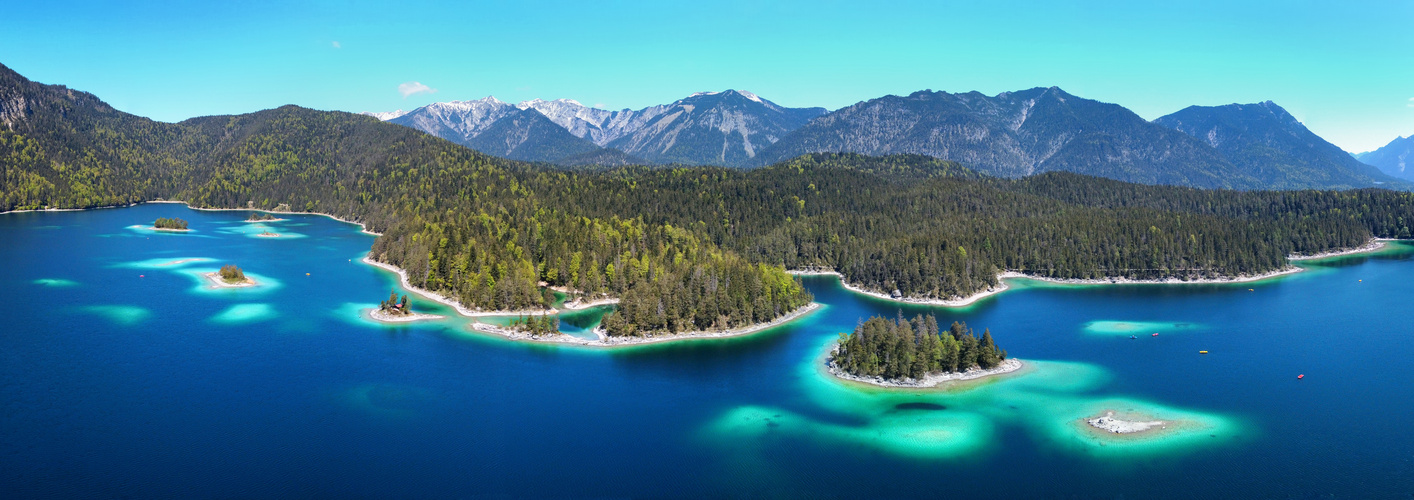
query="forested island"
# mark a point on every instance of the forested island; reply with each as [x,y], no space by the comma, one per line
[683,249]
[230,276]
[261,217]
[397,310]
[916,353]
[165,224]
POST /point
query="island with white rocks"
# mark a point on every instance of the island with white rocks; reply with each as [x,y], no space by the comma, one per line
[1112,424]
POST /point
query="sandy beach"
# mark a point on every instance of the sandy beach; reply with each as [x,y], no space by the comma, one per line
[218,282]
[1008,365]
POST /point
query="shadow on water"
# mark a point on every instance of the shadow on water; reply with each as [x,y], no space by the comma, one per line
[920,406]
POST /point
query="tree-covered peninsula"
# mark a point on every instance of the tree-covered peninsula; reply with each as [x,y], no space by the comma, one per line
[913,349]
[682,249]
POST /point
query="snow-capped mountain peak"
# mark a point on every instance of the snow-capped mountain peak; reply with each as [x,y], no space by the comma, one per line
[384,115]
[748,95]
[742,93]
[706,127]
[542,103]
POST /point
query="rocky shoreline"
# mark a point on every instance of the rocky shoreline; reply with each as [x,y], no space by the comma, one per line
[218,282]
[604,340]
[1008,365]
[576,306]
[379,315]
[1371,246]
[442,299]
[1164,281]
[959,302]
[1002,286]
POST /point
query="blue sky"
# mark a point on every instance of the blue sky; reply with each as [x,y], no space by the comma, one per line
[1346,69]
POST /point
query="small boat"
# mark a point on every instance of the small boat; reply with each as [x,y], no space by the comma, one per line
[1202,352]
[1301,376]
[1133,337]
[1155,334]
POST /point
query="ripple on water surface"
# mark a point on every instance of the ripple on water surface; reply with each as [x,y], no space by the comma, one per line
[204,285]
[165,262]
[1140,328]
[1177,430]
[261,231]
[148,230]
[245,313]
[121,314]
[359,313]
[388,400]
[931,435]
[1051,399]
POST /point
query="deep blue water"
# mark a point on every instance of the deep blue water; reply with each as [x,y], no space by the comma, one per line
[116,385]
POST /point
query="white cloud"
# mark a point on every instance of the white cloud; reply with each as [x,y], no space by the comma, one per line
[1411,102]
[336,45]
[410,88]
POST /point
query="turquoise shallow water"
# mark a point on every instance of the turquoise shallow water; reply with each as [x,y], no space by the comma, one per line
[123,374]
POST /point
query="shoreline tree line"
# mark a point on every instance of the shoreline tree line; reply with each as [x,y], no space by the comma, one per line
[686,248]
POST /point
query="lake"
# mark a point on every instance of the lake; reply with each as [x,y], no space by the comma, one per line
[124,375]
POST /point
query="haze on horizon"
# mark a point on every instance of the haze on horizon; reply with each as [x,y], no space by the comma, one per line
[1343,70]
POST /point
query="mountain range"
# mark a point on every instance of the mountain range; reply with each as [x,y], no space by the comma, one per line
[1014,134]
[720,128]
[1011,134]
[1393,159]
[1268,144]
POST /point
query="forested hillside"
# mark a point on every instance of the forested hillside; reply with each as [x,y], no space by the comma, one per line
[933,229]
[461,223]
[684,248]
[1269,144]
